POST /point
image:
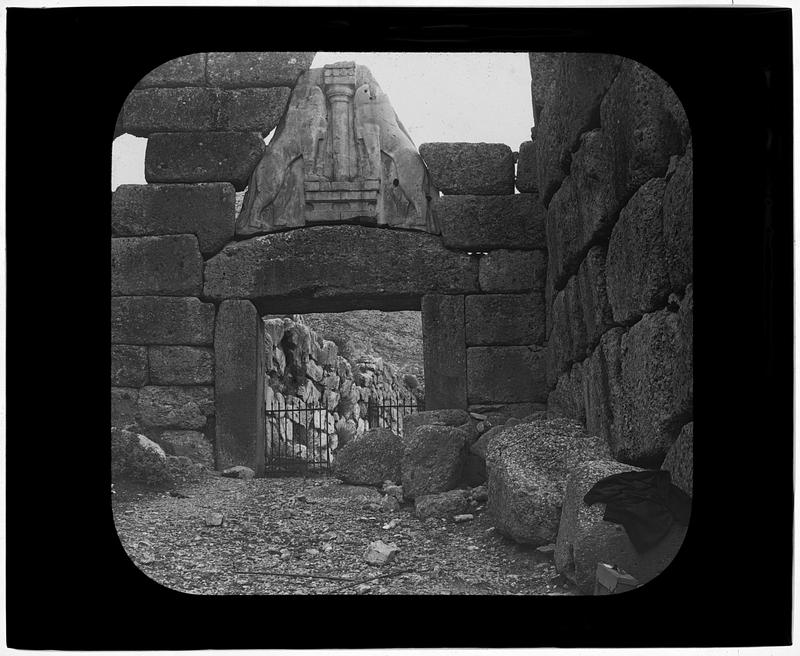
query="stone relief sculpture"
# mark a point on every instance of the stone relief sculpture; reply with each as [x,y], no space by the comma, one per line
[340,155]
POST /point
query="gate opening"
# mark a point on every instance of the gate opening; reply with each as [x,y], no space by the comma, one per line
[331,377]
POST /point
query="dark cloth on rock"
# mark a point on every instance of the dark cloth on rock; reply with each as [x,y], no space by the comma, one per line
[646,503]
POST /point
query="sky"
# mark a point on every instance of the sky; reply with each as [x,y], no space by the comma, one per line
[473,97]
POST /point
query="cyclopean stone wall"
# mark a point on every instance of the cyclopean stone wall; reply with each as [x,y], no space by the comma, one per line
[188,297]
[612,161]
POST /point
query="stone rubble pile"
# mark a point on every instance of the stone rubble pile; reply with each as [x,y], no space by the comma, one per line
[317,402]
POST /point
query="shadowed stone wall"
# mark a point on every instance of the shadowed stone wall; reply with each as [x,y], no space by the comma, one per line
[612,160]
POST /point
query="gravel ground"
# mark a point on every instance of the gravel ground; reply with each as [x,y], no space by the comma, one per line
[292,526]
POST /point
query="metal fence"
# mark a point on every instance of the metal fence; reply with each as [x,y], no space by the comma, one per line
[303,439]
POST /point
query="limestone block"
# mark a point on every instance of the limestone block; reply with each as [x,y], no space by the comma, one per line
[187,71]
[252,110]
[603,378]
[181,365]
[512,271]
[585,539]
[528,467]
[161,320]
[170,110]
[124,402]
[678,223]
[128,365]
[526,168]
[175,407]
[639,116]
[256,69]
[190,444]
[581,80]
[568,399]
[444,504]
[592,292]
[370,458]
[480,223]
[205,210]
[444,417]
[470,168]
[499,413]
[657,385]
[584,208]
[433,459]
[163,266]
[680,459]
[179,157]
[559,343]
[239,385]
[444,351]
[506,374]
[350,262]
[636,269]
[505,319]
[309,175]
[544,68]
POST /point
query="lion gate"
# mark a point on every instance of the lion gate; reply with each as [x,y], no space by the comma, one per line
[341,212]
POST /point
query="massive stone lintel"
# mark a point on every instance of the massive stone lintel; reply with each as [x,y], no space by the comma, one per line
[341,155]
[342,262]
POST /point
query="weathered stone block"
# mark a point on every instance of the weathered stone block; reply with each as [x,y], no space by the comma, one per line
[505,374]
[170,110]
[544,68]
[559,343]
[444,504]
[175,407]
[526,168]
[161,320]
[480,223]
[205,210]
[239,386]
[603,378]
[443,417]
[636,269]
[638,115]
[657,385]
[528,466]
[593,295]
[124,402]
[350,262]
[128,365]
[498,413]
[444,351]
[584,208]
[186,71]
[585,539]
[680,459]
[256,69]
[202,157]
[253,110]
[190,444]
[581,80]
[163,266]
[568,399]
[504,319]
[370,459]
[433,459]
[679,224]
[181,365]
[470,168]
[512,271]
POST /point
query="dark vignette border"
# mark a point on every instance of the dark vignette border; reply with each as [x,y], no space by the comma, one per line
[69,584]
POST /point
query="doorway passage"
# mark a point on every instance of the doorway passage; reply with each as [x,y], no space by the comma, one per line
[329,378]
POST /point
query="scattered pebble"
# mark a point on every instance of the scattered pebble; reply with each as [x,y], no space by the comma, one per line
[214,519]
[463,518]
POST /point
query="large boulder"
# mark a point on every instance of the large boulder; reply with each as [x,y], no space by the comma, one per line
[136,458]
[433,459]
[370,458]
[585,539]
[481,445]
[528,466]
[444,504]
